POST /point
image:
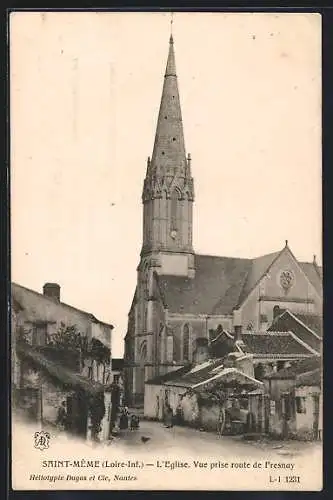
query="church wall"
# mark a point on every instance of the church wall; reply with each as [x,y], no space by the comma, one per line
[301,288]
[197,328]
[185,223]
[156,222]
[190,222]
[272,294]
[158,330]
[177,348]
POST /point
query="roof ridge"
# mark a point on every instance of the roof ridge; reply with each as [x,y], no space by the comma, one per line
[307,327]
[268,334]
[267,254]
[304,344]
[221,257]
[265,272]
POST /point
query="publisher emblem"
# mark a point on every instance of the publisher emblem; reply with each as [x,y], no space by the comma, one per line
[42,440]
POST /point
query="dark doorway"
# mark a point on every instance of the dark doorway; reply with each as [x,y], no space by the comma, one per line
[77,412]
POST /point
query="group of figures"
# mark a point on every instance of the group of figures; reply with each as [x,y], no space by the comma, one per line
[126,420]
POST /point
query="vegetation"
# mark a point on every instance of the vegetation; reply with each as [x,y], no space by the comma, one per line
[70,337]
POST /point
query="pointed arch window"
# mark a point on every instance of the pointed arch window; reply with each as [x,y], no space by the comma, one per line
[186,342]
[145,281]
[145,325]
[143,351]
[174,210]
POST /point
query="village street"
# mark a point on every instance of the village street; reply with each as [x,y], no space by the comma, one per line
[197,443]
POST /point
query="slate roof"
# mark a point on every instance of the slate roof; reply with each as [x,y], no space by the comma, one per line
[215,289]
[276,344]
[314,273]
[221,283]
[313,321]
[258,268]
[307,327]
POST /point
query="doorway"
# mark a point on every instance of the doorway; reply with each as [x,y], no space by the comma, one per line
[77,412]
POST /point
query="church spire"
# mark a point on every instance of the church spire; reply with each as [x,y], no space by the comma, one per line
[168,191]
[169,157]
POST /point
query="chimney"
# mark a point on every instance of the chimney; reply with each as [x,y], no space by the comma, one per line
[237,323]
[263,322]
[52,290]
[276,311]
[201,353]
[238,332]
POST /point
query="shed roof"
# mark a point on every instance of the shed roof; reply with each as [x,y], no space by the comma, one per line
[277,344]
[297,368]
[172,375]
[57,372]
[197,373]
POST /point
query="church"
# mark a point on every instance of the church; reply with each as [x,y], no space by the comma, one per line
[182,297]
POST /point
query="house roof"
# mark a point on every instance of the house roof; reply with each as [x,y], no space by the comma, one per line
[221,345]
[59,374]
[312,378]
[312,322]
[221,284]
[275,344]
[230,377]
[211,372]
[297,368]
[197,373]
[173,375]
[30,300]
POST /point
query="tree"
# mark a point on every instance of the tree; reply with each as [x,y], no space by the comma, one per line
[70,337]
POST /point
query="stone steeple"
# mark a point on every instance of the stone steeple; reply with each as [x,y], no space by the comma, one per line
[169,147]
[168,192]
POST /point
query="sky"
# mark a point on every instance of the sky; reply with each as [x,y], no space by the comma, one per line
[85,92]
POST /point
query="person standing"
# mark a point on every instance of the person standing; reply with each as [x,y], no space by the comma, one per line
[168,417]
[62,417]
